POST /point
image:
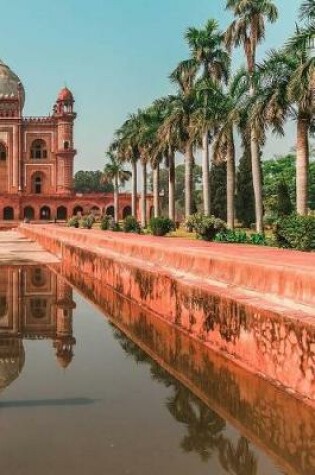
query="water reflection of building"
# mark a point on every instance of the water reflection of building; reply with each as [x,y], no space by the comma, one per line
[35,304]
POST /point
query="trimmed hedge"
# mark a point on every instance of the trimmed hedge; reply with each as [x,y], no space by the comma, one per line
[296,232]
[161,226]
[206,227]
[131,225]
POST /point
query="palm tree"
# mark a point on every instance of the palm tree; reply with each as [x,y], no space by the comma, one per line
[248,30]
[207,50]
[168,145]
[180,121]
[155,116]
[127,145]
[114,173]
[287,90]
[307,10]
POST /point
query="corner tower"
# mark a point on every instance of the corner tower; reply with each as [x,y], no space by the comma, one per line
[64,116]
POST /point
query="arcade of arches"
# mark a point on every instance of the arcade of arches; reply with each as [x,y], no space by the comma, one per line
[37,161]
[42,208]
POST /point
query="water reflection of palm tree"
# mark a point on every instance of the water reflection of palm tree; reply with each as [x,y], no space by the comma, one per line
[204,426]
[205,429]
[239,459]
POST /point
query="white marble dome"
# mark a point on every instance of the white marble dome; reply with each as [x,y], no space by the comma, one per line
[12,358]
[10,84]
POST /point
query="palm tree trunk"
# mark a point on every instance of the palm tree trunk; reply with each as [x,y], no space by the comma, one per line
[230,182]
[189,163]
[134,189]
[257,181]
[256,172]
[156,179]
[171,187]
[205,174]
[302,166]
[116,197]
[144,195]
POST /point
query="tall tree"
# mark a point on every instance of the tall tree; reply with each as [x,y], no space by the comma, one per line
[287,91]
[127,140]
[230,113]
[245,201]
[284,204]
[218,185]
[207,48]
[89,181]
[114,173]
[180,121]
[248,30]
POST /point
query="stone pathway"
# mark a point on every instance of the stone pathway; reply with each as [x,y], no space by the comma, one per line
[17,249]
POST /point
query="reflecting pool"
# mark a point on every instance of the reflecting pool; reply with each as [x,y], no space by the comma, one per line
[92,384]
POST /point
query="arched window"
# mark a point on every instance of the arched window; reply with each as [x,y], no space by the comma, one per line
[29,212]
[62,213]
[8,213]
[110,211]
[95,210]
[66,145]
[37,183]
[3,306]
[3,152]
[38,308]
[39,277]
[45,213]
[126,211]
[39,149]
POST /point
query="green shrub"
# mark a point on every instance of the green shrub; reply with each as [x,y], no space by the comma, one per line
[206,227]
[240,237]
[258,239]
[131,225]
[296,232]
[231,236]
[113,226]
[73,222]
[105,222]
[161,226]
[88,221]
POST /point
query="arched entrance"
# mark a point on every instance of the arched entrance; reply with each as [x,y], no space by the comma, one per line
[110,211]
[62,213]
[77,210]
[45,214]
[8,213]
[29,212]
[127,211]
[95,210]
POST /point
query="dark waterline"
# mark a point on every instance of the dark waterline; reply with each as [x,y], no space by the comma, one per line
[78,396]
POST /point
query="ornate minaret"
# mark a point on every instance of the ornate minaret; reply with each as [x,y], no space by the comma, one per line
[64,341]
[65,116]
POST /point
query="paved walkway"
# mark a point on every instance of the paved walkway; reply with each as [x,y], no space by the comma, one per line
[17,249]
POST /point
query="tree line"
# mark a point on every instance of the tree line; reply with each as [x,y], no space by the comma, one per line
[211,104]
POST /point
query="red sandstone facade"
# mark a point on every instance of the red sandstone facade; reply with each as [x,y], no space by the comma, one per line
[36,160]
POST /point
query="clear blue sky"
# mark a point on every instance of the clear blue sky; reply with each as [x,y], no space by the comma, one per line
[115,55]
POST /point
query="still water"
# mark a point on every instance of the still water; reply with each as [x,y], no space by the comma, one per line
[79,396]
